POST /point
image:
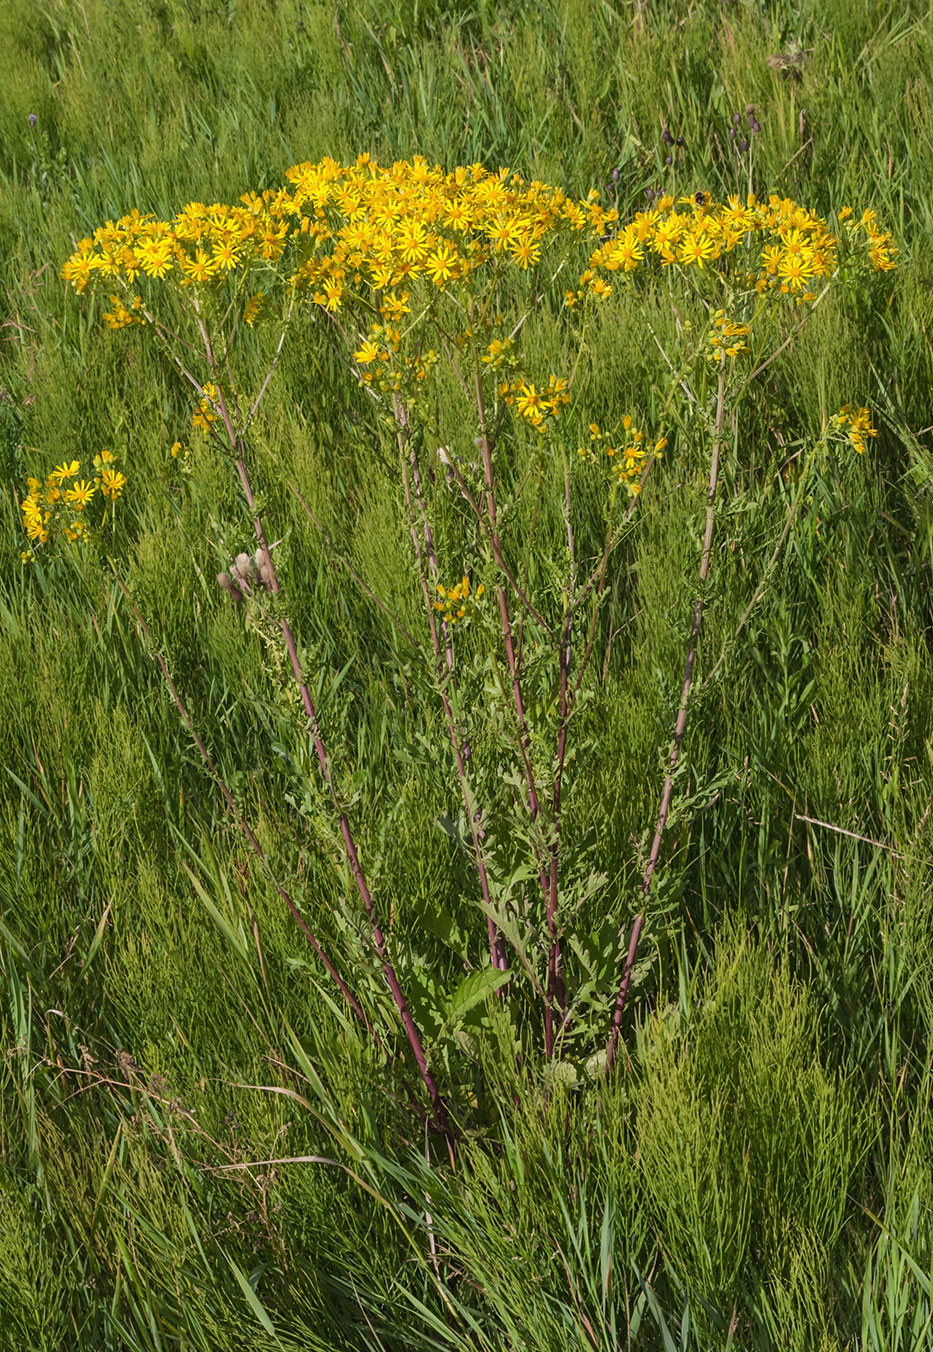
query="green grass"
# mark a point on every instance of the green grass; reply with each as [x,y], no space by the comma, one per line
[757,1175]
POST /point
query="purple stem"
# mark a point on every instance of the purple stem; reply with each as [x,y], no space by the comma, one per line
[524,740]
[462,751]
[679,730]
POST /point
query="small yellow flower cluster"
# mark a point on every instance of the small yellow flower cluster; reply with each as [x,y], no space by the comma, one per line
[381,350]
[725,340]
[59,501]
[455,603]
[499,353]
[856,424]
[787,246]
[537,407]
[881,246]
[252,307]
[626,454]
[119,317]
[204,415]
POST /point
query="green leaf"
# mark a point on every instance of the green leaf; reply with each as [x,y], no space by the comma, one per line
[472,991]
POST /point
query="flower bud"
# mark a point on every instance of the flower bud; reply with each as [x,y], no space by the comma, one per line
[243,565]
[228,584]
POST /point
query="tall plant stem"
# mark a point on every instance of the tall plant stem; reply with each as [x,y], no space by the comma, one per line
[237,446]
[524,739]
[349,843]
[556,996]
[679,728]
[428,572]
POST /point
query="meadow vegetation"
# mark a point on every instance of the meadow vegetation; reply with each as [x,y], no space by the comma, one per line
[420,1130]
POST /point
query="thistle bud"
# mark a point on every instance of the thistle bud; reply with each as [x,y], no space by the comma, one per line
[228,584]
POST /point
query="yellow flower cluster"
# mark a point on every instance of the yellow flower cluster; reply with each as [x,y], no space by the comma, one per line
[58,502]
[204,415]
[786,248]
[537,407]
[252,307]
[626,453]
[200,244]
[381,350]
[881,247]
[119,317]
[391,226]
[725,339]
[856,424]
[385,226]
[455,603]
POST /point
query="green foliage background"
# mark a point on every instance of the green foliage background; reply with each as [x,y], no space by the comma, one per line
[758,1176]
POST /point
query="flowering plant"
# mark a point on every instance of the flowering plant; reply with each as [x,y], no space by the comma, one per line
[410,272]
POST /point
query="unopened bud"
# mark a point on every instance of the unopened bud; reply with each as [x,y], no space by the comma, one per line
[228,584]
[243,565]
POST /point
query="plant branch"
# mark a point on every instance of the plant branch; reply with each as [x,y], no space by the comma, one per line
[680,727]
